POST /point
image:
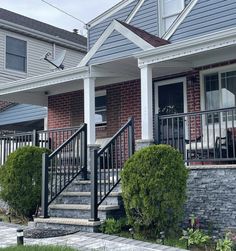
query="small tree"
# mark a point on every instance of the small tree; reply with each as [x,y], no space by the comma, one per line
[20,180]
[153,188]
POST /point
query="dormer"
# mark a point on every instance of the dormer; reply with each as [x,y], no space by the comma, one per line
[168,12]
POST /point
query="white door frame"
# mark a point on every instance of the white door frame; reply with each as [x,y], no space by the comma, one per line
[168,82]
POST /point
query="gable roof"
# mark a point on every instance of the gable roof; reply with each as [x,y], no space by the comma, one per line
[12,17]
[151,39]
[140,38]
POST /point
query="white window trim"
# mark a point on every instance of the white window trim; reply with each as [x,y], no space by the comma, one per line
[168,82]
[162,31]
[15,72]
[219,70]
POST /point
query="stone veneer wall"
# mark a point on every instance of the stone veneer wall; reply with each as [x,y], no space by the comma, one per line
[211,196]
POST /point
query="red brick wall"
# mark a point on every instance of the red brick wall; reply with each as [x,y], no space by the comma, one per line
[123,101]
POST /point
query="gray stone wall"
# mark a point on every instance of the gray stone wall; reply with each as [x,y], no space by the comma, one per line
[211,196]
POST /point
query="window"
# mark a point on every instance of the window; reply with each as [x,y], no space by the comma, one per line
[16,51]
[169,10]
[220,91]
[100,108]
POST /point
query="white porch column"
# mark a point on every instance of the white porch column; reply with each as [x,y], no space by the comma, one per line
[146,104]
[89,108]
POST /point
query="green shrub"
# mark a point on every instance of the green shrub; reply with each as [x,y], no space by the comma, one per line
[153,188]
[20,180]
[111,226]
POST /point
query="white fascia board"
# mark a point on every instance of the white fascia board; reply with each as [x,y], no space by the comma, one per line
[179,20]
[44,80]
[188,47]
[134,12]
[108,13]
[115,25]
[41,35]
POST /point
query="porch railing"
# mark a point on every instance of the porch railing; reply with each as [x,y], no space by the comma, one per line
[11,142]
[50,139]
[107,163]
[206,136]
[61,167]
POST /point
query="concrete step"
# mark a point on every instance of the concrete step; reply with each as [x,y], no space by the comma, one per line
[68,197]
[67,224]
[82,211]
[85,186]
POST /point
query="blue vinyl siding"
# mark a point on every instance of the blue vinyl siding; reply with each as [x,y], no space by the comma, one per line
[207,16]
[116,46]
[95,32]
[22,113]
[147,17]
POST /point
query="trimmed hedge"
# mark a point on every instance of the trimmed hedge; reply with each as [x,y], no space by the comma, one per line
[20,180]
[153,188]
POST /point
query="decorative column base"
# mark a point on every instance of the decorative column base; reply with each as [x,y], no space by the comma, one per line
[141,143]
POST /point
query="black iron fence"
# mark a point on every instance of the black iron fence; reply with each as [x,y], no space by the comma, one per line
[206,136]
[107,163]
[62,166]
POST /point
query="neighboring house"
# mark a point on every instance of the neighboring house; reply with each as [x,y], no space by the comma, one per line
[166,63]
[24,41]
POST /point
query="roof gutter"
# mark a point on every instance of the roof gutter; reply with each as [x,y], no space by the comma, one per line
[44,80]
[187,47]
[41,35]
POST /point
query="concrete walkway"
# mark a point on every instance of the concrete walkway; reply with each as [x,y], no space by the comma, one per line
[81,241]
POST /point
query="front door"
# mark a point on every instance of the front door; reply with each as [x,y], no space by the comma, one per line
[170,99]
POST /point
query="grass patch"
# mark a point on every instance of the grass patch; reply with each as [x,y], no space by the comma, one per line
[37,248]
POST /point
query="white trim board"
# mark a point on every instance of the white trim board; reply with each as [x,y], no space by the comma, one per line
[108,13]
[115,26]
[179,20]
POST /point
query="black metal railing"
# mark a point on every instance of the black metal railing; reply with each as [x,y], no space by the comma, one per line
[50,139]
[206,136]
[53,138]
[61,167]
[11,142]
[107,163]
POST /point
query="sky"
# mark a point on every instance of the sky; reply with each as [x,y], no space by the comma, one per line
[85,10]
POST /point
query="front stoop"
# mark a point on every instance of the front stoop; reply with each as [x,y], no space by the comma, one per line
[69,224]
[71,210]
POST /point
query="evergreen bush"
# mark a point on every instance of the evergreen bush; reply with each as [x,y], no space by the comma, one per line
[20,180]
[153,188]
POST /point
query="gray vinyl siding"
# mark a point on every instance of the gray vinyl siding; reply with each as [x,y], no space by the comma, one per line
[147,17]
[35,50]
[116,46]
[22,113]
[206,17]
[96,31]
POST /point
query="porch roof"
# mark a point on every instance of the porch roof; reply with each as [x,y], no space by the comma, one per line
[167,59]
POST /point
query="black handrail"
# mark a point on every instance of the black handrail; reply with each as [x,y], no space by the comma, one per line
[107,163]
[62,166]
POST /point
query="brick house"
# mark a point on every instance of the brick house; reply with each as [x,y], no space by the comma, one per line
[168,64]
